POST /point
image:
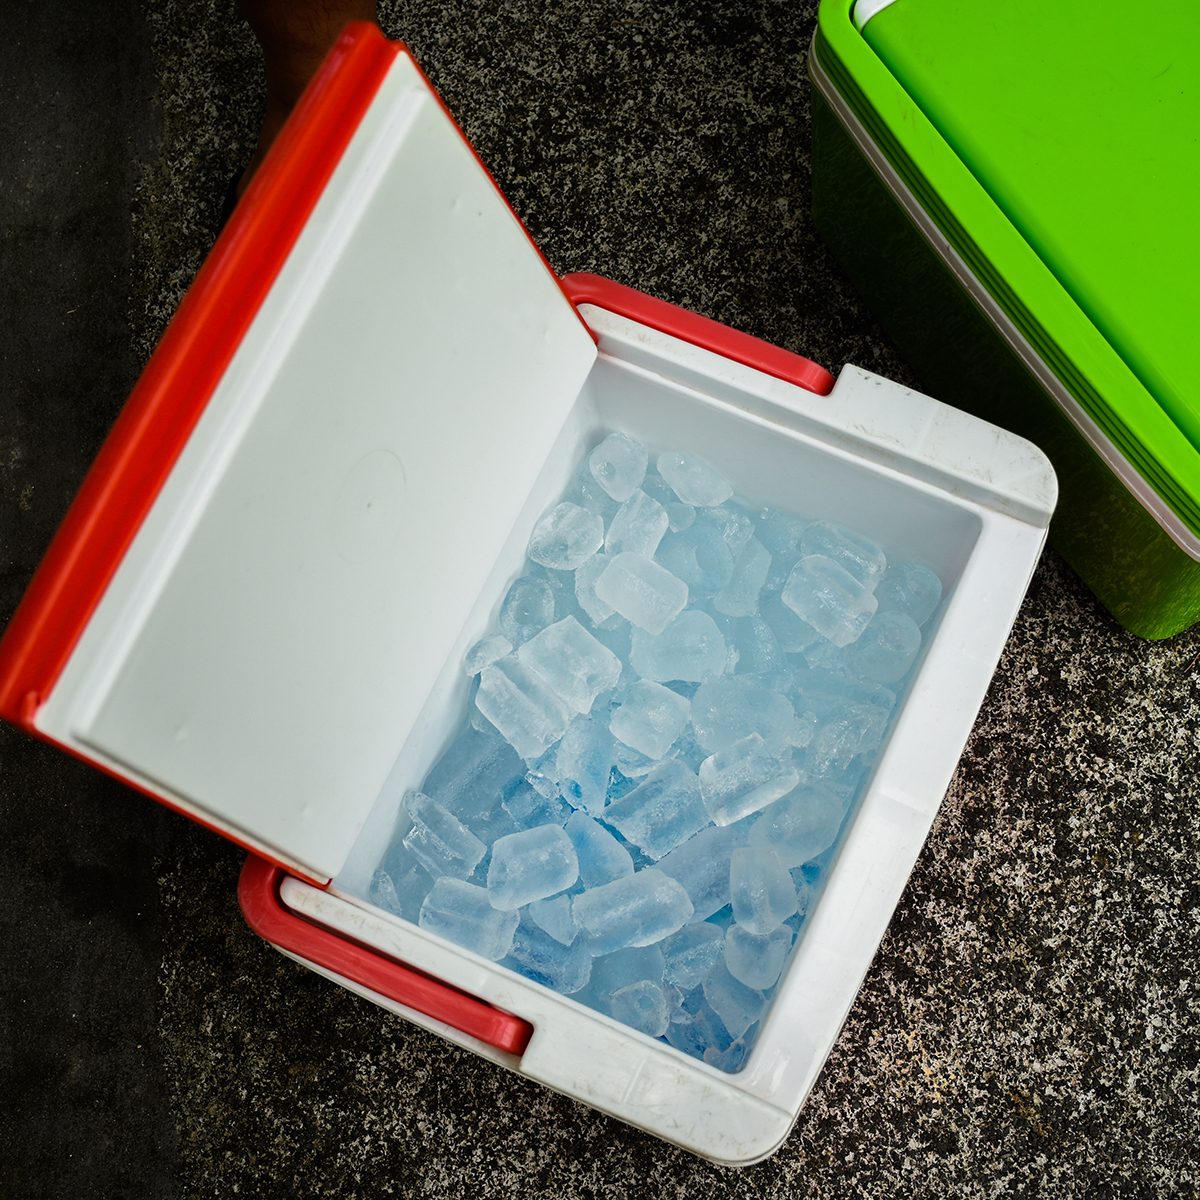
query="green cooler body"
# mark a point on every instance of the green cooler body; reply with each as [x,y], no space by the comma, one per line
[1015,187]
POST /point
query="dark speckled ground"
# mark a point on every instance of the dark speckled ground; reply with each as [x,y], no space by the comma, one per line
[1030,1025]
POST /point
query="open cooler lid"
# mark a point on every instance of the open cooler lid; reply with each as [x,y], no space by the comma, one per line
[266,569]
[1059,159]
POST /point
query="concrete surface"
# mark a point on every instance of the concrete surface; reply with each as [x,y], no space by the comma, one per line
[1029,1026]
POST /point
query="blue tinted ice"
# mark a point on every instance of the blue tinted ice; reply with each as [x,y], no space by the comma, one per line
[638,910]
[800,826]
[726,710]
[438,840]
[825,595]
[527,607]
[694,479]
[642,1005]
[637,527]
[690,954]
[531,865]
[662,811]
[572,662]
[650,718]
[586,757]
[462,913]
[675,712]
[761,889]
[601,857]
[737,1005]
[909,588]
[701,865]
[700,556]
[545,960]
[522,706]
[690,648]
[756,959]
[855,553]
[618,465]
[566,537]
[644,593]
[743,777]
[554,917]
[485,652]
[739,597]
[887,648]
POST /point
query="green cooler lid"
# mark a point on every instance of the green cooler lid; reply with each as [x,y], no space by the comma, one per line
[1073,127]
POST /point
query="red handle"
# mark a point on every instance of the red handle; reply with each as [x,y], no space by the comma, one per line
[699,331]
[266,914]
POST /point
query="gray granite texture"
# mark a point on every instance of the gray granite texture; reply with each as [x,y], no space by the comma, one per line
[1030,1023]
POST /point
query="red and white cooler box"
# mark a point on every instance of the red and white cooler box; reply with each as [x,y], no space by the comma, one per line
[257,607]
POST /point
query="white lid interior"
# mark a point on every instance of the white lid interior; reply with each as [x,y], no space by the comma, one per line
[288,603]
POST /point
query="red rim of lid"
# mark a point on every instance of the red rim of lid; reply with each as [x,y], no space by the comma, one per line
[184,371]
[270,918]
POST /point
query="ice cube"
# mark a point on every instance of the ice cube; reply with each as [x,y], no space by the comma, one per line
[679,515]
[572,663]
[780,533]
[554,917]
[909,588]
[887,648]
[401,893]
[761,890]
[700,556]
[546,960]
[618,465]
[485,652]
[585,590]
[522,706]
[701,865]
[662,811]
[694,480]
[829,598]
[690,648]
[644,593]
[853,552]
[642,1005]
[690,954]
[528,807]
[801,825]
[638,910]
[527,608]
[473,773]
[601,857]
[732,1058]
[702,1033]
[586,756]
[726,710]
[531,865]
[650,718]
[742,778]
[610,972]
[737,1005]
[734,523]
[853,730]
[756,959]
[438,840]
[638,526]
[566,537]
[462,913]
[739,597]
[758,651]
[794,634]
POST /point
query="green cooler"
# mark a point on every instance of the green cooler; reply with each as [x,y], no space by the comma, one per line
[1015,186]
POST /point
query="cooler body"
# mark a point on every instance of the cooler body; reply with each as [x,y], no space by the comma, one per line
[919,237]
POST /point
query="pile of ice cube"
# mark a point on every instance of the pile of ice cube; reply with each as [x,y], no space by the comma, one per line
[672,720]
